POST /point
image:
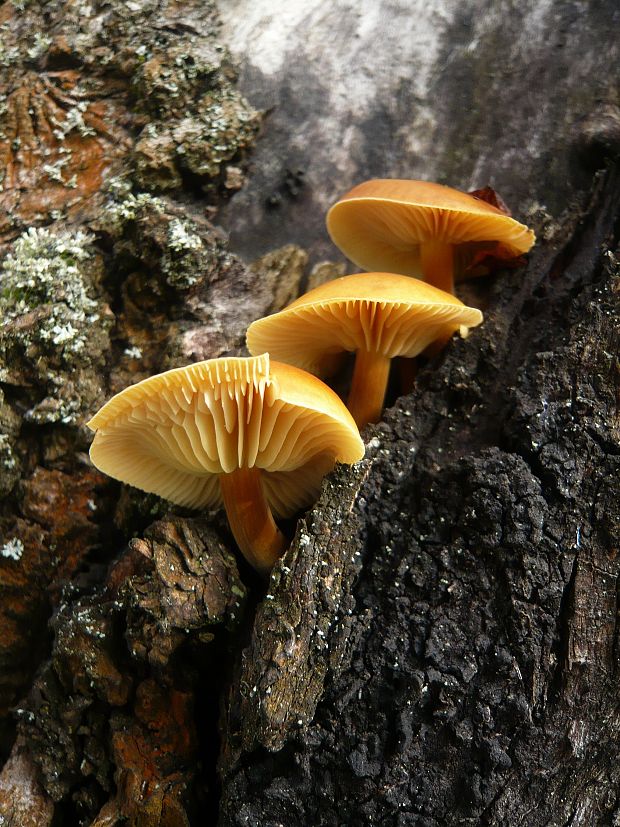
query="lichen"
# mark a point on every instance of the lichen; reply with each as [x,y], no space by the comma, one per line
[223,127]
[13,549]
[9,52]
[124,206]
[53,327]
[40,45]
[160,235]
[198,120]
[182,261]
[44,269]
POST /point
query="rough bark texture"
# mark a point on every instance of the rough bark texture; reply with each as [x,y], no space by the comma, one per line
[439,644]
[470,674]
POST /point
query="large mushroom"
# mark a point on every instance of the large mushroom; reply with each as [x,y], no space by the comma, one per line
[256,435]
[422,229]
[375,315]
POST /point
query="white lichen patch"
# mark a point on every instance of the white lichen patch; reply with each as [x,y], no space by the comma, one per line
[133,352]
[9,52]
[222,127]
[10,466]
[74,122]
[7,460]
[12,550]
[54,171]
[181,239]
[184,261]
[52,324]
[199,120]
[40,45]
[125,206]
[42,269]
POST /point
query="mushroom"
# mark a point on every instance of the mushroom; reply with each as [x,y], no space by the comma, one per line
[376,315]
[255,434]
[423,229]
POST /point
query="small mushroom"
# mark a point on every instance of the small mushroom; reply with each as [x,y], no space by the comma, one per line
[422,229]
[376,315]
[256,435]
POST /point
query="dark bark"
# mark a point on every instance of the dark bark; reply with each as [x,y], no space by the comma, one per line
[469,676]
[438,646]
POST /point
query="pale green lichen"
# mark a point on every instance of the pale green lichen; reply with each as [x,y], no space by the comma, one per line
[10,467]
[55,171]
[184,256]
[181,262]
[199,121]
[133,352]
[124,206]
[200,144]
[9,52]
[180,238]
[53,327]
[74,122]
[7,460]
[40,45]
[43,268]
[222,127]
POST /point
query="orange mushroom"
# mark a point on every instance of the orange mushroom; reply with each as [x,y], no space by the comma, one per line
[256,435]
[376,315]
[423,229]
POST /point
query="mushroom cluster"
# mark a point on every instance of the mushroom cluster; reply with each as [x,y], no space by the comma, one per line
[258,435]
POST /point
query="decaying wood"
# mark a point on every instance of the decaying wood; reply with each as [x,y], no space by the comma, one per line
[438,645]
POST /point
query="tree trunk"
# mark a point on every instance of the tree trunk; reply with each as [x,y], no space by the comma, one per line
[438,645]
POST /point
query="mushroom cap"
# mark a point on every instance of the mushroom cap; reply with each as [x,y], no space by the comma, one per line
[381,224]
[175,433]
[378,312]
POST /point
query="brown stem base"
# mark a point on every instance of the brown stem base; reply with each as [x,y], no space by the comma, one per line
[259,539]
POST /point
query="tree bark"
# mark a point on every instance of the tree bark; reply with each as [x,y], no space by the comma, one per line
[438,645]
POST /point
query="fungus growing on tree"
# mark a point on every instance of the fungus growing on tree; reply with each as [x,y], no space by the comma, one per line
[256,435]
[424,230]
[376,315]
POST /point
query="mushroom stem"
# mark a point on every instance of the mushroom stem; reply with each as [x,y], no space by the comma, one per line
[368,386]
[251,521]
[437,264]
